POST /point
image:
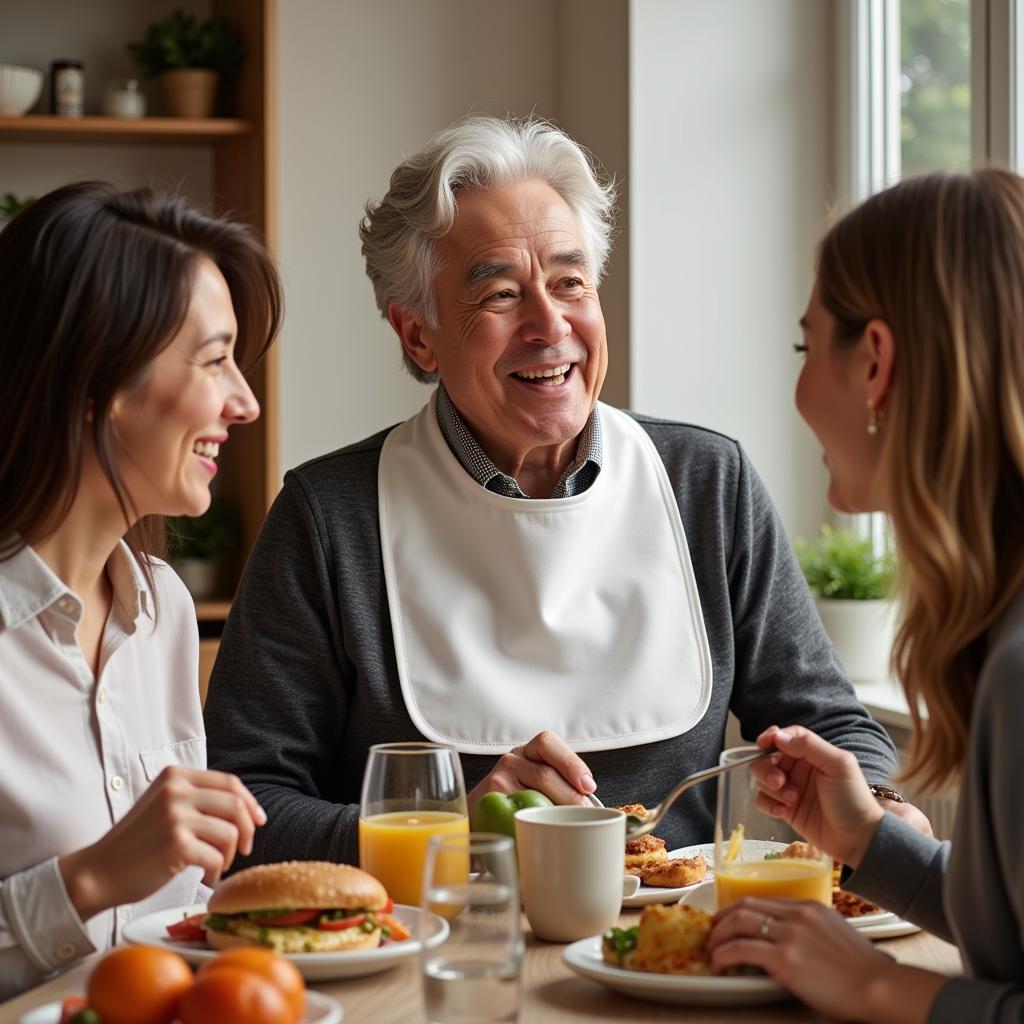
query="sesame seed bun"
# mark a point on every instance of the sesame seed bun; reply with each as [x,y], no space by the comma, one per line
[299,884]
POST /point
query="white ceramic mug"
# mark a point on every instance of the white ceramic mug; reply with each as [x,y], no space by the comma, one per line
[571,862]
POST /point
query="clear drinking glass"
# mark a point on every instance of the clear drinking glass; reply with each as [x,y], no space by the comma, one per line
[473,976]
[753,852]
[411,791]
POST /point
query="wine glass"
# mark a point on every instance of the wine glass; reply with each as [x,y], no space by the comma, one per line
[756,855]
[473,975]
[411,791]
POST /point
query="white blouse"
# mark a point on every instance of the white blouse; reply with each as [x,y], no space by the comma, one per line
[76,751]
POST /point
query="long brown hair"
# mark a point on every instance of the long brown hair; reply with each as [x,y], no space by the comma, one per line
[940,259]
[94,284]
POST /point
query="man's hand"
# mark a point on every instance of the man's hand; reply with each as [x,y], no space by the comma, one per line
[546,764]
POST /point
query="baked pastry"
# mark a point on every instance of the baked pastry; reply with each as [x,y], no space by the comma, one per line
[668,940]
[644,852]
[674,873]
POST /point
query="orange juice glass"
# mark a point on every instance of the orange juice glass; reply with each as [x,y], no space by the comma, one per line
[752,852]
[411,791]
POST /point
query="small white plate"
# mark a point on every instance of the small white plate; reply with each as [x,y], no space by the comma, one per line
[320,1009]
[151,931]
[648,894]
[584,957]
[883,925]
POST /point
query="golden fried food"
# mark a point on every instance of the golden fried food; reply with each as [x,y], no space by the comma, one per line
[635,809]
[644,852]
[850,905]
[668,940]
[679,871]
[800,851]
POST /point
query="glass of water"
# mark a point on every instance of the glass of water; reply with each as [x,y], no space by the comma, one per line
[473,976]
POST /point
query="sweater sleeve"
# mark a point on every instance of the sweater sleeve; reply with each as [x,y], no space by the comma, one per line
[279,693]
[787,672]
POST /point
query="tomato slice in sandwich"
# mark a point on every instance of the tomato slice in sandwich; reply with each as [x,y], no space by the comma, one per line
[296,917]
[340,924]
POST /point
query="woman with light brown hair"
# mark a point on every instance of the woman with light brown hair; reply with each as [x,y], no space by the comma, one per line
[914,384]
[124,318]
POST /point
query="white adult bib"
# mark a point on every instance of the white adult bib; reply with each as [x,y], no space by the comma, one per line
[513,615]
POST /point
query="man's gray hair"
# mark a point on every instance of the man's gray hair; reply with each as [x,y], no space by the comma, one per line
[399,232]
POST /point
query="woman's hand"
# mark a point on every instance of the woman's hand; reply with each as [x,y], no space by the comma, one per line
[547,764]
[812,951]
[186,817]
[819,790]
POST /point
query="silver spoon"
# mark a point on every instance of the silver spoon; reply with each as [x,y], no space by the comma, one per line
[637,826]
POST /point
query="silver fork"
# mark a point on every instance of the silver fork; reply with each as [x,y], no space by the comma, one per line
[637,826]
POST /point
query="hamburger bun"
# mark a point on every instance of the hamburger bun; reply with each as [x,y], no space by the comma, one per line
[299,884]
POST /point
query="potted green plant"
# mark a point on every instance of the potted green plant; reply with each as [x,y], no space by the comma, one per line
[189,57]
[852,584]
[199,546]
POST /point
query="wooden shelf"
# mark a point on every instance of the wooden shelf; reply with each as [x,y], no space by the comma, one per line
[212,611]
[167,130]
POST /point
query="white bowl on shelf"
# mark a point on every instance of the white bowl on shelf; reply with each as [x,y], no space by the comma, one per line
[19,89]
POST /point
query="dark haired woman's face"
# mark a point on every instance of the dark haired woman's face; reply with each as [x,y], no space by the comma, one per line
[169,429]
[831,398]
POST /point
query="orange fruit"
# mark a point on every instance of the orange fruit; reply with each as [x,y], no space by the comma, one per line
[233,995]
[138,985]
[282,973]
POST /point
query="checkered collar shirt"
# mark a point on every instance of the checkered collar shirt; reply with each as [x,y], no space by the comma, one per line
[578,476]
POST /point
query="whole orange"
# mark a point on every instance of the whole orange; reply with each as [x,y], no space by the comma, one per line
[282,973]
[138,985]
[233,995]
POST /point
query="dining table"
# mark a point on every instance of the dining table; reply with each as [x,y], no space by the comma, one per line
[550,992]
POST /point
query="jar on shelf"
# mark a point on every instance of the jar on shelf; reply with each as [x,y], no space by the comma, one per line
[68,80]
[124,97]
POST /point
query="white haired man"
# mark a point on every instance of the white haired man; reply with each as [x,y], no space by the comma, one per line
[572,596]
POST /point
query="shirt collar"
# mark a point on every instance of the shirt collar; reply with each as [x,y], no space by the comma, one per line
[480,466]
[29,586]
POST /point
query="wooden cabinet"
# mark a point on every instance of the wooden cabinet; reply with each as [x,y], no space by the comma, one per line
[242,153]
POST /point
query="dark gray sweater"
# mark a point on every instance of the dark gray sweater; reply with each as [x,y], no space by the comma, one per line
[306,678]
[971,892]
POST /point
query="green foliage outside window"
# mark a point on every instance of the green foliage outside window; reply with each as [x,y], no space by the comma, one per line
[936,80]
[842,565]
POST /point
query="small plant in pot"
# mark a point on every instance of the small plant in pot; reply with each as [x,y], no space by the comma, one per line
[852,584]
[189,56]
[199,547]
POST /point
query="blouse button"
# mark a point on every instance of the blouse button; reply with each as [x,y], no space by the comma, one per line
[116,782]
[102,695]
[66,605]
[66,950]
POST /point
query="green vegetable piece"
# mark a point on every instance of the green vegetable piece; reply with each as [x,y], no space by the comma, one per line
[87,1016]
[622,940]
[495,812]
[216,922]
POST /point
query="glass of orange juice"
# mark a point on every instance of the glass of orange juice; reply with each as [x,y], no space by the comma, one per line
[756,855]
[411,791]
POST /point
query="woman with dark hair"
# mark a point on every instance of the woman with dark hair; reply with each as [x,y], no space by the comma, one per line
[122,315]
[914,384]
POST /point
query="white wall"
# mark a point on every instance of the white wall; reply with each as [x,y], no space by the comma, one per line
[730,159]
[360,86]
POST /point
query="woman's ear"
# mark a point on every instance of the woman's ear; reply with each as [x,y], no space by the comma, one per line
[409,329]
[880,361]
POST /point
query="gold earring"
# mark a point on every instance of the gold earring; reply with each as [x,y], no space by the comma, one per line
[874,418]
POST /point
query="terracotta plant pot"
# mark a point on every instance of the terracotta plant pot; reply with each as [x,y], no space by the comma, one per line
[189,92]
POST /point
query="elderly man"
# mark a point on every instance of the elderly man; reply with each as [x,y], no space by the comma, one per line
[572,596]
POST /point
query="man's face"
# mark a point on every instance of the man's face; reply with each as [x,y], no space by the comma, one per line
[521,345]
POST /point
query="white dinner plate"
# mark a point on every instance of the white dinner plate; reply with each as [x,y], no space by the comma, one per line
[584,957]
[151,931]
[883,925]
[320,1009]
[648,894]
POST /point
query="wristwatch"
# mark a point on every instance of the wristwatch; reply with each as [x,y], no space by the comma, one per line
[886,793]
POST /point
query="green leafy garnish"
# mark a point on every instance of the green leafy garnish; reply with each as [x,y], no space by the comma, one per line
[773,856]
[216,922]
[622,940]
